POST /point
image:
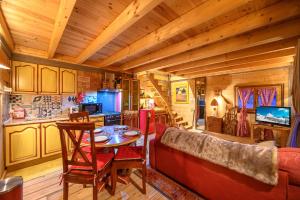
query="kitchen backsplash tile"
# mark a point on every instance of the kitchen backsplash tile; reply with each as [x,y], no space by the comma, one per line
[42,106]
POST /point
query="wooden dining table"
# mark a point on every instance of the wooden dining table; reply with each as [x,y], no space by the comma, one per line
[116,137]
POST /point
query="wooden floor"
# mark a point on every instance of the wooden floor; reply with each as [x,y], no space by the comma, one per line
[42,182]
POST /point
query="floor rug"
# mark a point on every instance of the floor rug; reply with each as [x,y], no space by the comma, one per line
[168,187]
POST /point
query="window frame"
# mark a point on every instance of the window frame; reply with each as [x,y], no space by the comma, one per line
[279,101]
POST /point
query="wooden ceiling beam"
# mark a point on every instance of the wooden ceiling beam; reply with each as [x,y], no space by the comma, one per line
[264,17]
[4,31]
[252,51]
[254,66]
[250,59]
[258,37]
[64,12]
[135,11]
[202,13]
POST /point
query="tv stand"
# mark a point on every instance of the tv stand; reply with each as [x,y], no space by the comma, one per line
[283,132]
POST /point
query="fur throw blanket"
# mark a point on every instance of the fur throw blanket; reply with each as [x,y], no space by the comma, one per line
[255,161]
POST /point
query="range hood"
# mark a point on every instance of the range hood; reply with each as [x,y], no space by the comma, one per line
[110,90]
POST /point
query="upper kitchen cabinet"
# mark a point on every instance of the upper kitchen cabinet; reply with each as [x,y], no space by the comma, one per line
[131,90]
[24,77]
[68,81]
[126,94]
[48,79]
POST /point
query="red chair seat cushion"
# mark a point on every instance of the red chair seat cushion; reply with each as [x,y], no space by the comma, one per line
[103,159]
[129,153]
[289,160]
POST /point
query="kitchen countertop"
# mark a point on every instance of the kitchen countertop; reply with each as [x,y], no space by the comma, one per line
[13,122]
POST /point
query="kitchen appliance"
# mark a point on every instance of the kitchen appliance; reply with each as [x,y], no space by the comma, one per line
[112,118]
[143,120]
[91,108]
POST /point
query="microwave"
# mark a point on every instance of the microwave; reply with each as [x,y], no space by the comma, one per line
[91,108]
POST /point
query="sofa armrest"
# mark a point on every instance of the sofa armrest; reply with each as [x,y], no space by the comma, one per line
[152,153]
[289,161]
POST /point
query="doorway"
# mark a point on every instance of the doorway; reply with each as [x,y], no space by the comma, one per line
[200,87]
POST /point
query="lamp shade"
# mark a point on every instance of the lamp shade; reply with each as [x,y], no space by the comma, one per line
[214,102]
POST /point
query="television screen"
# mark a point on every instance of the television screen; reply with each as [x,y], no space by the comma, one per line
[274,115]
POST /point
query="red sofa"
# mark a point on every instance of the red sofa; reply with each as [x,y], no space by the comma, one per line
[216,182]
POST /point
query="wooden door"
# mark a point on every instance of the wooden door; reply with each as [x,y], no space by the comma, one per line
[48,79]
[135,95]
[22,143]
[126,94]
[50,139]
[24,77]
[68,81]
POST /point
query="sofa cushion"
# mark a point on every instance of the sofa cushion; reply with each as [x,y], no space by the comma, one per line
[289,160]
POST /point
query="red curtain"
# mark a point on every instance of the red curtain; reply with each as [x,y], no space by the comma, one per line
[244,95]
[295,135]
[267,96]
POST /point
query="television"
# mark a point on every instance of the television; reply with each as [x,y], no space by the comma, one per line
[273,115]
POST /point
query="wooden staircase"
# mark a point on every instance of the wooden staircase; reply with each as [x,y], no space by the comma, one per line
[179,121]
[176,119]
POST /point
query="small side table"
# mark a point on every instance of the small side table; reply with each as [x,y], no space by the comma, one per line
[283,132]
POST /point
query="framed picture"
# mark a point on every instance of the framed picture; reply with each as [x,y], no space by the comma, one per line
[180,92]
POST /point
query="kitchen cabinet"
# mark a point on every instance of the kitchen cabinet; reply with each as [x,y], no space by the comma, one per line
[99,121]
[24,77]
[22,143]
[48,79]
[131,94]
[68,81]
[135,95]
[50,139]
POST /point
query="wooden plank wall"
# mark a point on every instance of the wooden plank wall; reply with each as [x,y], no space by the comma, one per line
[226,83]
[185,110]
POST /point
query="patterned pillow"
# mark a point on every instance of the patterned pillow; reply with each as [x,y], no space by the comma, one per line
[289,160]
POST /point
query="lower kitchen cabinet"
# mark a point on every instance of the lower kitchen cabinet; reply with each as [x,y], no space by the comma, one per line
[99,121]
[22,143]
[50,139]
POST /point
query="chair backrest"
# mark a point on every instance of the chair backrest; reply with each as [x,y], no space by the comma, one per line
[131,118]
[79,117]
[78,157]
[144,152]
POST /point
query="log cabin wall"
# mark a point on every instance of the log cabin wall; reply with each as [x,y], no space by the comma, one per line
[226,84]
[186,110]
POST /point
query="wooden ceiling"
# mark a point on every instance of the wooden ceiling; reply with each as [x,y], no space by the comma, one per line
[190,38]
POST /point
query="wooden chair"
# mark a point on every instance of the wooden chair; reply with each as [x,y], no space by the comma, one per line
[131,119]
[129,157]
[79,117]
[82,167]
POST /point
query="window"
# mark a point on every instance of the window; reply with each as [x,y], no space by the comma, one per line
[255,99]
